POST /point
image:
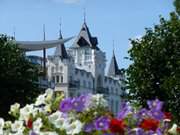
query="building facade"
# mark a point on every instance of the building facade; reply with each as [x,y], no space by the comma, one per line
[80,69]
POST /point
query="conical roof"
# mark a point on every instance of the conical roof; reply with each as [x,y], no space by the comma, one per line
[113,68]
[61,50]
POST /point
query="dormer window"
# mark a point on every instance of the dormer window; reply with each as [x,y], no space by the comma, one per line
[83,29]
[82,42]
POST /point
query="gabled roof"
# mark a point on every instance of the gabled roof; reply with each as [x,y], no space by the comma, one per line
[113,68]
[60,50]
[85,39]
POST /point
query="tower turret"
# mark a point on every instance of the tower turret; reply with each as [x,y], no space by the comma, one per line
[113,70]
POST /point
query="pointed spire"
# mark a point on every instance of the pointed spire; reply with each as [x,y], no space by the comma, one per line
[113,68]
[84,15]
[60,25]
[113,48]
[44,32]
[60,50]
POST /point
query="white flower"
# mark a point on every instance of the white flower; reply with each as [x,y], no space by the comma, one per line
[74,128]
[1,126]
[17,126]
[37,125]
[14,108]
[47,108]
[56,115]
[97,100]
[58,120]
[44,98]
[7,124]
[48,133]
[40,100]
[173,130]
[26,112]
[49,95]
[1,123]
[17,133]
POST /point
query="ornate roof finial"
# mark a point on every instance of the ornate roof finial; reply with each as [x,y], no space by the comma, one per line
[44,32]
[60,34]
[113,48]
[84,15]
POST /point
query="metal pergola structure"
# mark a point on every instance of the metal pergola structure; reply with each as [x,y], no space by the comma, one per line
[41,45]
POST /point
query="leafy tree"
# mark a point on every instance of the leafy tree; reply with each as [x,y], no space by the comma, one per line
[177,6]
[155,71]
[17,76]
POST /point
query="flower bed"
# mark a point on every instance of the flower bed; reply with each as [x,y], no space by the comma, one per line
[52,114]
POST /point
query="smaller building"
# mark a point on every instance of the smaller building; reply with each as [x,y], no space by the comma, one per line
[42,81]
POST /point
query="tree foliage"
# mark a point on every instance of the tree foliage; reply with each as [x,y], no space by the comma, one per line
[177,6]
[17,76]
[155,71]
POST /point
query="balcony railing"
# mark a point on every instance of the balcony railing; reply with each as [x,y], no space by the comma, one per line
[102,90]
[71,84]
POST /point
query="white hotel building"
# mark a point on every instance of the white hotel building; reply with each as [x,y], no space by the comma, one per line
[80,69]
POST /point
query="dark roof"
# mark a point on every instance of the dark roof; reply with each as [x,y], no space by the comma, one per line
[85,39]
[61,50]
[113,68]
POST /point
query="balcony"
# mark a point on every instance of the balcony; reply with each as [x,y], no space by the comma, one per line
[71,84]
[74,84]
[102,90]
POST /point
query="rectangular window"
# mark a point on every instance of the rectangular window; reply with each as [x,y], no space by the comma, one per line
[53,79]
[61,79]
[57,79]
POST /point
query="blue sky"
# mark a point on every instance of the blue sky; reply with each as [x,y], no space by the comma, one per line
[109,20]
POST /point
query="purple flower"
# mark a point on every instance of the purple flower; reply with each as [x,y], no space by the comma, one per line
[156,114]
[143,113]
[159,131]
[83,98]
[125,110]
[102,123]
[89,127]
[65,105]
[136,131]
[32,133]
[77,104]
[155,104]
